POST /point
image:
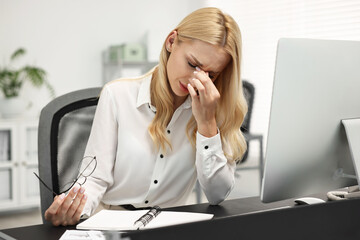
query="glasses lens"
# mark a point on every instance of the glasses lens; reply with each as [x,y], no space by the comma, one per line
[81,180]
[67,187]
[87,166]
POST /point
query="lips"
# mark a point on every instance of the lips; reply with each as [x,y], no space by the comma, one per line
[183,87]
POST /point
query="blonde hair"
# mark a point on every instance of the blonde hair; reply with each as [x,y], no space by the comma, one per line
[212,26]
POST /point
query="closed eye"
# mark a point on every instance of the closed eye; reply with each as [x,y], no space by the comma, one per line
[191,65]
[194,66]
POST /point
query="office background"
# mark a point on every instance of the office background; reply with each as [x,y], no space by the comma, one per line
[67,38]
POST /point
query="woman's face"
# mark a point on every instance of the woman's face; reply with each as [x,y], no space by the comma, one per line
[185,56]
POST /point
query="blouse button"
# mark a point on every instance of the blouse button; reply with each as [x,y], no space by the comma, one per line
[168,131]
[161,156]
[206,147]
[156,181]
[146,202]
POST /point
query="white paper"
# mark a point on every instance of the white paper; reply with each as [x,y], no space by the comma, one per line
[82,235]
[115,220]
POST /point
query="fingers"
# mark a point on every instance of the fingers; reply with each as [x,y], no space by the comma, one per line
[68,200]
[200,88]
[66,210]
[204,78]
[54,207]
[75,203]
[204,84]
[208,93]
[77,215]
[192,91]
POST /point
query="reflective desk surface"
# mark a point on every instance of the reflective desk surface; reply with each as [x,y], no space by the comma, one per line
[246,218]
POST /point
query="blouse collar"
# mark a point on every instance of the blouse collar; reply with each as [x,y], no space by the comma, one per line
[144,96]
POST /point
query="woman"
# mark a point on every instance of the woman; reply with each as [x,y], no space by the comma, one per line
[152,140]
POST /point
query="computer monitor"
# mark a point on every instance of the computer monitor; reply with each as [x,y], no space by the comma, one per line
[316,85]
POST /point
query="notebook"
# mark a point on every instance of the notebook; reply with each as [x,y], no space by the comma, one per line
[117,220]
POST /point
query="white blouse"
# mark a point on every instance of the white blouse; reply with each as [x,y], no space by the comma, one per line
[131,170]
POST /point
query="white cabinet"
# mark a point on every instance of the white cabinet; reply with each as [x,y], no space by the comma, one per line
[18,160]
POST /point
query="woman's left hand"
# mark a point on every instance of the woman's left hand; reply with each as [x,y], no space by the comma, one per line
[204,103]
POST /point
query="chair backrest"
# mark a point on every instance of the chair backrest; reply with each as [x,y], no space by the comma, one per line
[249,93]
[64,128]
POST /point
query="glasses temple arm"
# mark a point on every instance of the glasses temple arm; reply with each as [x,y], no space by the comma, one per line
[45,184]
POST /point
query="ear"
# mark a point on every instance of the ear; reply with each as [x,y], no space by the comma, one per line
[170,40]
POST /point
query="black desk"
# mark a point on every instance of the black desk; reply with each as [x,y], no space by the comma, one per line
[332,220]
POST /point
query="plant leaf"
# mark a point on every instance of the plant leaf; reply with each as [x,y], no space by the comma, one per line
[12,80]
[35,75]
[18,53]
[10,83]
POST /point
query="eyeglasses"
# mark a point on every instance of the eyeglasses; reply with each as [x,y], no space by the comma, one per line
[86,167]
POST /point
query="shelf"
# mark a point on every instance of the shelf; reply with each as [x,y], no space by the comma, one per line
[116,69]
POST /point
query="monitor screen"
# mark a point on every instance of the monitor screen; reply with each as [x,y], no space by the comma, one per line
[316,85]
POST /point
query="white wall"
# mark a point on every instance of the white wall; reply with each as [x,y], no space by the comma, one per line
[263,22]
[67,37]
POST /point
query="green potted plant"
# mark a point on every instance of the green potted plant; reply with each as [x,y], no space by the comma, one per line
[12,80]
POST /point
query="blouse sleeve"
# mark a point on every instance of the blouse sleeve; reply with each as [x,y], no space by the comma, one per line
[215,173]
[102,143]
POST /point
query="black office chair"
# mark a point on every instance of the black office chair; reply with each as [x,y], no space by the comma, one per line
[249,93]
[64,128]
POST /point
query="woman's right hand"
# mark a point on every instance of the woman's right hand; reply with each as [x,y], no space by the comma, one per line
[67,209]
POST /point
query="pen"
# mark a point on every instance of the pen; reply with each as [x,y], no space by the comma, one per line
[147,217]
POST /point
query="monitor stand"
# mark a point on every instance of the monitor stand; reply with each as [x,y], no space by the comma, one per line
[352,129]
